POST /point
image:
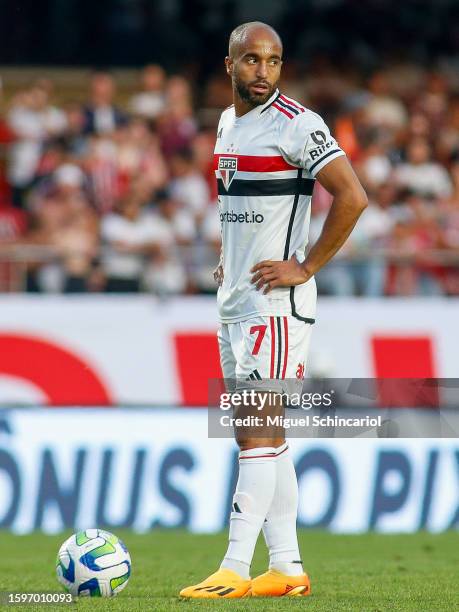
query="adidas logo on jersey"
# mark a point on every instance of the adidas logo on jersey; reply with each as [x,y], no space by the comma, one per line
[228,168]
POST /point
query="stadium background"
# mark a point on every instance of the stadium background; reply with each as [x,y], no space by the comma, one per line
[109,233]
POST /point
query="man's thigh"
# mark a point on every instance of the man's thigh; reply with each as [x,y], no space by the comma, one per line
[270,348]
[267,354]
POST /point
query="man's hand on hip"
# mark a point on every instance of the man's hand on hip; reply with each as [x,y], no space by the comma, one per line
[218,275]
[270,274]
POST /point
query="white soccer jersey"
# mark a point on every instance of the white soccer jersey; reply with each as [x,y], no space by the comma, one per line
[265,163]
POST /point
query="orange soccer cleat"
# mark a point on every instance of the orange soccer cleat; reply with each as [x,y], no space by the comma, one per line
[276,584]
[223,584]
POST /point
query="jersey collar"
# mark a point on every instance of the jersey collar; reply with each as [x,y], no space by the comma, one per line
[258,110]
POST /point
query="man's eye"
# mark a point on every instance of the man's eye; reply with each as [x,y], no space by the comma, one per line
[252,60]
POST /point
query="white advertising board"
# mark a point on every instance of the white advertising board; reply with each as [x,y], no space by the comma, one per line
[149,468]
[113,350]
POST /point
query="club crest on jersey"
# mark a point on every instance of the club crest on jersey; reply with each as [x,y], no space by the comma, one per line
[228,168]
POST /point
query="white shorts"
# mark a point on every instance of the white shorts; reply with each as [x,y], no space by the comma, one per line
[265,348]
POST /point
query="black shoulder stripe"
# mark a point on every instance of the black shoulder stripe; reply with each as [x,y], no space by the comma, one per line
[322,158]
[292,109]
[269,105]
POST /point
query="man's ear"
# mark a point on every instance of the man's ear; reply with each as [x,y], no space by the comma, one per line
[229,65]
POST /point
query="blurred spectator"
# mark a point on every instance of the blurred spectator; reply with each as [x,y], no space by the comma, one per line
[32,120]
[188,185]
[177,125]
[53,155]
[13,223]
[6,138]
[449,227]
[178,91]
[73,137]
[349,125]
[374,166]
[414,235]
[449,213]
[174,227]
[64,221]
[207,254]
[100,164]
[368,241]
[179,220]
[420,174]
[131,155]
[101,114]
[383,108]
[150,102]
[77,241]
[139,157]
[334,278]
[203,155]
[176,128]
[359,268]
[129,240]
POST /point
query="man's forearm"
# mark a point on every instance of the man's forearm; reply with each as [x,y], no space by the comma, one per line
[338,225]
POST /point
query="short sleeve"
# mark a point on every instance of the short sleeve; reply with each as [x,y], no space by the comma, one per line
[306,142]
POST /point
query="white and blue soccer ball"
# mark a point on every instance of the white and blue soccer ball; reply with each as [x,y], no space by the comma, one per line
[93,563]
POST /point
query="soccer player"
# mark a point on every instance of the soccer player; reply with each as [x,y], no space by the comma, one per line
[270,150]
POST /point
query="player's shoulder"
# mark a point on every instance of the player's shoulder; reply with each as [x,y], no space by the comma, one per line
[292,113]
[227,113]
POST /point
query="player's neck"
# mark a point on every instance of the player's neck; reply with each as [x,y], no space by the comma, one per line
[241,107]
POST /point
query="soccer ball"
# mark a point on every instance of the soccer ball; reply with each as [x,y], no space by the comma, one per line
[93,562]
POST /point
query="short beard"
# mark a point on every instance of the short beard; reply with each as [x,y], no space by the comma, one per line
[253,99]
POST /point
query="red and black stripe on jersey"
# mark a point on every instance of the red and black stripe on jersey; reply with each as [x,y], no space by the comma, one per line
[263,187]
[286,106]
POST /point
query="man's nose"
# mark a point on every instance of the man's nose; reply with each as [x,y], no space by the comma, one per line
[262,70]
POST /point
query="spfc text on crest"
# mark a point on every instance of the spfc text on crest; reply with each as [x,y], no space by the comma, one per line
[228,168]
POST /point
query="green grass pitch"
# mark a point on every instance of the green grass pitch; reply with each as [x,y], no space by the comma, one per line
[370,573]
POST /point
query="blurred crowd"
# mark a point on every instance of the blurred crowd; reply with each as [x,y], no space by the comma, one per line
[122,198]
[117,197]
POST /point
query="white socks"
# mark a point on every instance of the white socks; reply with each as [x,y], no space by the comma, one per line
[267,488]
[279,528]
[251,502]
